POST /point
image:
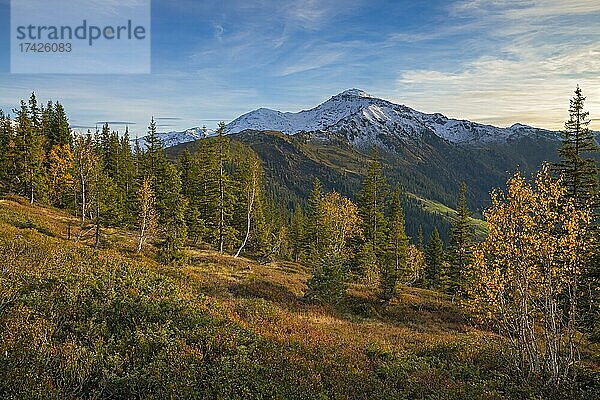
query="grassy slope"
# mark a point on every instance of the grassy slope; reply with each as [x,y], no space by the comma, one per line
[449,214]
[80,323]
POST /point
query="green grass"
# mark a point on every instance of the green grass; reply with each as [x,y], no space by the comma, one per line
[79,323]
[449,214]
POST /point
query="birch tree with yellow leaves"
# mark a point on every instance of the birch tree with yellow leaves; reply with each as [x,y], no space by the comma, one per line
[526,274]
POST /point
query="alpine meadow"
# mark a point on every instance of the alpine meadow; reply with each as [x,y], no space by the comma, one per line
[158,240]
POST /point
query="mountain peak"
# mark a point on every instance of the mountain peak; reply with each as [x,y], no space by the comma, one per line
[365,120]
[355,92]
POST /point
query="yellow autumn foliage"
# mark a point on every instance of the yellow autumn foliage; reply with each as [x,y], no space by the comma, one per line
[525,273]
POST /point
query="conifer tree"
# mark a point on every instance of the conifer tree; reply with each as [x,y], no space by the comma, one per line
[297,233]
[61,132]
[171,206]
[30,149]
[193,170]
[22,135]
[579,170]
[315,235]
[126,181]
[225,212]
[372,205]
[580,176]
[460,251]
[327,283]
[434,259]
[104,140]
[7,144]
[111,157]
[201,174]
[169,201]
[396,251]
[420,239]
[153,154]
[48,120]
[35,114]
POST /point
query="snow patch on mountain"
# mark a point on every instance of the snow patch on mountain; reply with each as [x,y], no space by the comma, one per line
[318,118]
[362,117]
[365,120]
[173,138]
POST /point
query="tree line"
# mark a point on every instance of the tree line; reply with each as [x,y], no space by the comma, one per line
[213,196]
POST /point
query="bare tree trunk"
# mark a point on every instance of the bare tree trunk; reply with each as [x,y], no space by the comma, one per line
[83,200]
[141,235]
[251,196]
[31,188]
[97,234]
[237,254]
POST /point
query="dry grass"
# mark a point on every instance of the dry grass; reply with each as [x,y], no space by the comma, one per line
[420,333]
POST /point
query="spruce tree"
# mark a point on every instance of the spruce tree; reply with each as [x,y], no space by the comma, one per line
[580,176]
[315,240]
[327,284]
[126,181]
[153,154]
[201,177]
[420,238]
[61,131]
[578,169]
[171,206]
[226,198]
[191,185]
[372,205]
[297,233]
[461,244]
[48,120]
[434,258]
[104,139]
[31,154]
[6,153]
[170,203]
[35,113]
[396,249]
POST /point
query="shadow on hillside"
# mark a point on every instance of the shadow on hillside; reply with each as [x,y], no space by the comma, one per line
[419,313]
[273,292]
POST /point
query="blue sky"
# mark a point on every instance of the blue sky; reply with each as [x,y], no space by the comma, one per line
[490,61]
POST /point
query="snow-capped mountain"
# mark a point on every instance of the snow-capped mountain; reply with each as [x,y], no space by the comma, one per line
[363,118]
[321,117]
[173,138]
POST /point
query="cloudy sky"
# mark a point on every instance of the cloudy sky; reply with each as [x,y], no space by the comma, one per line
[490,61]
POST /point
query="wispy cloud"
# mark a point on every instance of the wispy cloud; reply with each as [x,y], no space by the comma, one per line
[115,122]
[488,60]
[531,75]
[310,59]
